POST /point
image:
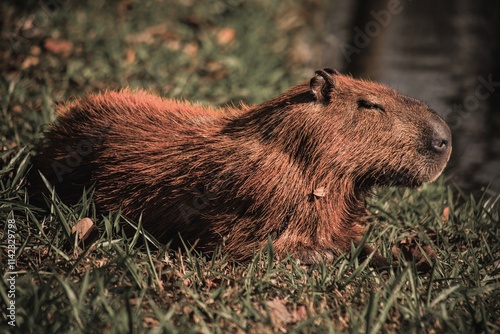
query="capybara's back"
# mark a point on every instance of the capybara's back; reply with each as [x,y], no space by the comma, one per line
[296,168]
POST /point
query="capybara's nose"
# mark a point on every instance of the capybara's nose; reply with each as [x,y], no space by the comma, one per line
[441,137]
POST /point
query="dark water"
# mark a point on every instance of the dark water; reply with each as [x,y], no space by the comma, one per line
[446,53]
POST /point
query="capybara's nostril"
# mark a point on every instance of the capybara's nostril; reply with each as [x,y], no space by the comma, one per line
[440,144]
[441,137]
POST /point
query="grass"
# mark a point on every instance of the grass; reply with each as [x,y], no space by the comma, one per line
[217,52]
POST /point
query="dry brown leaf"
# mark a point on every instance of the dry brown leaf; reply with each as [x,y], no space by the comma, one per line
[59,47]
[130,56]
[35,50]
[83,227]
[319,192]
[160,32]
[446,214]
[85,230]
[150,322]
[225,36]
[278,312]
[191,49]
[30,61]
[17,108]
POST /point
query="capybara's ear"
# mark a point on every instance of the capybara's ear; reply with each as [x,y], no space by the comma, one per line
[331,71]
[322,84]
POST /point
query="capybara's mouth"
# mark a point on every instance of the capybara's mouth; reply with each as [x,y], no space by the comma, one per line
[402,178]
[413,178]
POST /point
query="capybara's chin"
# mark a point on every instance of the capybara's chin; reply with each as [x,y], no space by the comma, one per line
[295,169]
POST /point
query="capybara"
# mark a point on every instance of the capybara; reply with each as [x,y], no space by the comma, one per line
[294,170]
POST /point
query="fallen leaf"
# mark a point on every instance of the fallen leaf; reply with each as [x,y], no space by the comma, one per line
[35,50]
[225,36]
[130,56]
[59,47]
[319,192]
[190,49]
[30,61]
[84,230]
[278,312]
[152,34]
[446,214]
[150,322]
[17,108]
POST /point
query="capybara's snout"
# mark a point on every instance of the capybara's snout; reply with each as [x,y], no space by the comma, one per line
[437,146]
[440,141]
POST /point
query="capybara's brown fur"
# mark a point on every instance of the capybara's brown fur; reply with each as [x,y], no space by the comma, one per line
[295,169]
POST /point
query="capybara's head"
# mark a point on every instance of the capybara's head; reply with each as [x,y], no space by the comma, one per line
[400,139]
[366,132]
